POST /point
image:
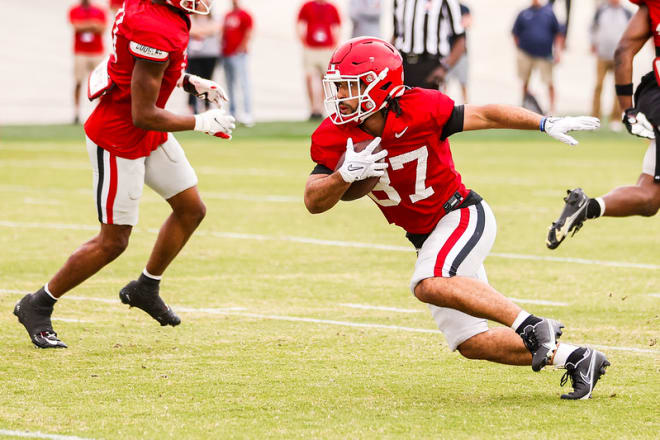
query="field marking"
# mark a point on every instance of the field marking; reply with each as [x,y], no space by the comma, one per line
[37,434]
[540,302]
[236,311]
[338,243]
[70,320]
[655,295]
[384,308]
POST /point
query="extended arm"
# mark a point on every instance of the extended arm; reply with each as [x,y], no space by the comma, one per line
[506,116]
[632,40]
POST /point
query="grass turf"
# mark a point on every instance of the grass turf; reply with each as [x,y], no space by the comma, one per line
[249,374]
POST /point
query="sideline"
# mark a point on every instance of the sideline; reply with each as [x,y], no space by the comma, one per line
[37,434]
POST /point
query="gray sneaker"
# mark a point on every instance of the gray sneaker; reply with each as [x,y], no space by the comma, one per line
[541,340]
[584,374]
[571,219]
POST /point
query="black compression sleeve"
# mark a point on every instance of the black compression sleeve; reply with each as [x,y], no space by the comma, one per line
[321,169]
[454,123]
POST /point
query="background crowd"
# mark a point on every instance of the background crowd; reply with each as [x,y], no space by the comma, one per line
[432,38]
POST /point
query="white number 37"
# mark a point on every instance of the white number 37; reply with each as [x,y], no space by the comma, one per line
[397,163]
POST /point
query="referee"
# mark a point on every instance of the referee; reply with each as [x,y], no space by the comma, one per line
[423,31]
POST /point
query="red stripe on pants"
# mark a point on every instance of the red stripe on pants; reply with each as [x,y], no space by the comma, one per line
[112,189]
[451,241]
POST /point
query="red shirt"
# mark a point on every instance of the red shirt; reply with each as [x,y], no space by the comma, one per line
[142,30]
[88,43]
[320,18]
[236,25]
[116,4]
[421,175]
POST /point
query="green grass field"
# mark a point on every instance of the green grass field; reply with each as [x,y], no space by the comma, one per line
[269,348]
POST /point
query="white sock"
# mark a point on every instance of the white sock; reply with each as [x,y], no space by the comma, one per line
[562,353]
[519,319]
[601,202]
[153,277]
[48,291]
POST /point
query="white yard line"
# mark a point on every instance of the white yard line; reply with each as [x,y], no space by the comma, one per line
[655,295]
[540,302]
[70,320]
[386,309]
[236,311]
[37,434]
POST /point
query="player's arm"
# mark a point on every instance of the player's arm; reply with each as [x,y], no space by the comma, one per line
[632,40]
[482,117]
[323,191]
[145,88]
[325,187]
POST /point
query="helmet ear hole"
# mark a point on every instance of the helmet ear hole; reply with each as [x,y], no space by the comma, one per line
[386,85]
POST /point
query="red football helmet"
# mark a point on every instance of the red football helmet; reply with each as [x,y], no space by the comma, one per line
[367,64]
[202,7]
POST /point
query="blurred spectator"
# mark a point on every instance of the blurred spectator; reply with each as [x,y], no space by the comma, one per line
[609,22]
[365,16]
[423,32]
[318,30]
[236,33]
[567,9]
[203,50]
[536,32]
[461,69]
[89,23]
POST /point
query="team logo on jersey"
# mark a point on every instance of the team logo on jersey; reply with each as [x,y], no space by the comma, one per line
[143,51]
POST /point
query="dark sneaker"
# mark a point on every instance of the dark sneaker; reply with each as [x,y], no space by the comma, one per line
[136,294]
[584,374]
[571,218]
[541,340]
[36,321]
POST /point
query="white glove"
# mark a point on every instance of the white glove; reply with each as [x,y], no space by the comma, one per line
[558,127]
[216,123]
[204,89]
[637,124]
[362,165]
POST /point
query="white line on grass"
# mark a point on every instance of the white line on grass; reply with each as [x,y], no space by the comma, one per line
[352,244]
[387,309]
[655,295]
[69,320]
[540,302]
[37,434]
[235,311]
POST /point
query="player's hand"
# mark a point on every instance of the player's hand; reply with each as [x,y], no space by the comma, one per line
[637,124]
[215,122]
[364,164]
[204,89]
[558,127]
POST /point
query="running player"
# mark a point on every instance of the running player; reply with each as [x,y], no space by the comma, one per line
[452,227]
[130,144]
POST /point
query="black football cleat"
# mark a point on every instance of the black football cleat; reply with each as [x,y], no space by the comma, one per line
[584,374]
[541,340]
[136,294]
[571,219]
[36,321]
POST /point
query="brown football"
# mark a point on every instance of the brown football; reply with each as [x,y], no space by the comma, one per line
[360,188]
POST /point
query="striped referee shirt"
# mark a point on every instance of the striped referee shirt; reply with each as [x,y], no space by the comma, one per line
[426,26]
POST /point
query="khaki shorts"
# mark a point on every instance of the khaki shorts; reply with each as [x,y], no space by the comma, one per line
[84,64]
[527,63]
[316,60]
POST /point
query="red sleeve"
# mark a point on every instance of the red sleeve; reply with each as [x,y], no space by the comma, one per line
[72,15]
[302,15]
[441,108]
[153,40]
[638,2]
[336,18]
[328,145]
[248,21]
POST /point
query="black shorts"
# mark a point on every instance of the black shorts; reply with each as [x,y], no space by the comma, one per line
[647,98]
[647,101]
[417,68]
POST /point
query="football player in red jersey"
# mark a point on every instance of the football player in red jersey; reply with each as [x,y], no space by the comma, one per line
[642,119]
[130,144]
[452,227]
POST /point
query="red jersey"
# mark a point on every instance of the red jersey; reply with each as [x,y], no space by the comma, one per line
[320,18]
[116,4]
[421,177]
[87,43]
[149,31]
[236,25]
[654,16]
